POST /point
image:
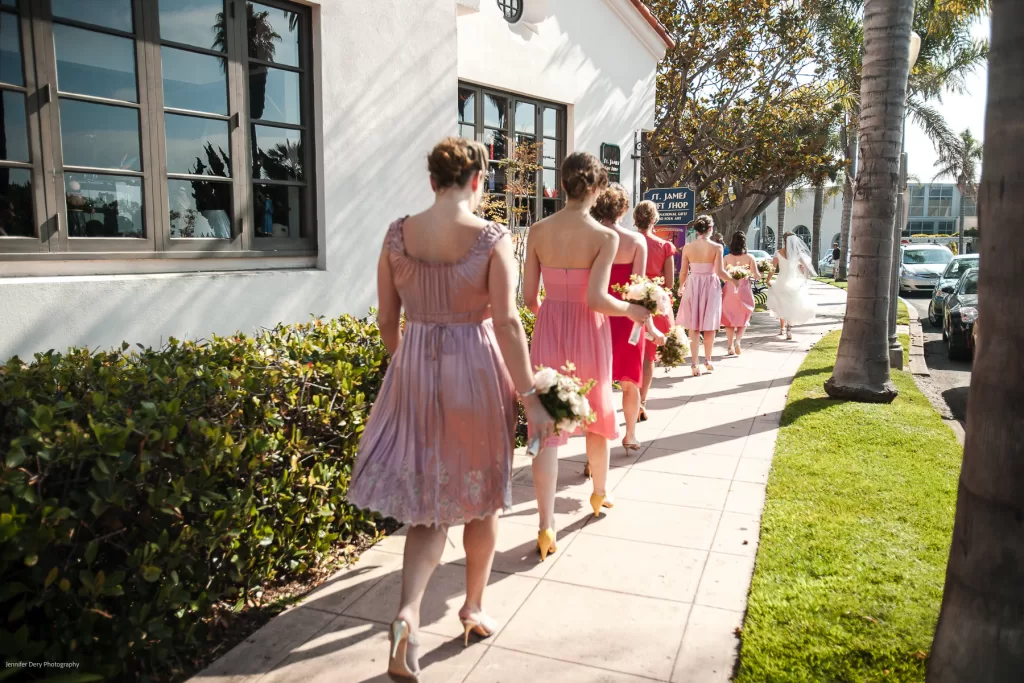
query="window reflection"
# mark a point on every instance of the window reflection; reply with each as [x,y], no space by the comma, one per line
[94,63]
[278,211]
[10,50]
[115,14]
[277,153]
[194,81]
[13,130]
[550,122]
[99,135]
[467,106]
[526,114]
[274,94]
[194,22]
[197,146]
[199,208]
[495,111]
[496,144]
[273,34]
[16,203]
[103,205]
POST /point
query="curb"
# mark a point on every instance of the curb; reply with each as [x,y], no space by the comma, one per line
[918,366]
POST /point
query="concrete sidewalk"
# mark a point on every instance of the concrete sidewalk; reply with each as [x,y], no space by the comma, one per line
[654,590]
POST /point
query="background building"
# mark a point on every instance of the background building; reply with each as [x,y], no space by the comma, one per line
[200,166]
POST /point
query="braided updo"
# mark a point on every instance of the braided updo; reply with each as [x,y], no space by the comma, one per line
[453,161]
[582,173]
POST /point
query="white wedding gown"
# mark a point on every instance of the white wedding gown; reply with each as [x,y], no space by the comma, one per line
[789,296]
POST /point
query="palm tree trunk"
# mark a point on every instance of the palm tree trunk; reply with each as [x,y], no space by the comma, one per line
[861,371]
[781,228]
[960,230]
[980,635]
[819,208]
[844,226]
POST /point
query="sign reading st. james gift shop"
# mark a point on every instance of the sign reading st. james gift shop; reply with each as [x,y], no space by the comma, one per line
[610,157]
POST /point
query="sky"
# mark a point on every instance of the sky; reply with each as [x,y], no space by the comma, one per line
[960,111]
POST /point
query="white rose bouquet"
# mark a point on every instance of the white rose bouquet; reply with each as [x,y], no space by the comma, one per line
[675,349]
[738,274]
[651,294]
[565,398]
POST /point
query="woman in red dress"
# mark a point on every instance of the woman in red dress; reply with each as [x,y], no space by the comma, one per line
[631,258]
[659,264]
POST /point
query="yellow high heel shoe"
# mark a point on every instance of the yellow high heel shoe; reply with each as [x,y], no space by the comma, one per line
[546,543]
[598,501]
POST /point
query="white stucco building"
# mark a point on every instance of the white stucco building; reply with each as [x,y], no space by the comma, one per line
[204,166]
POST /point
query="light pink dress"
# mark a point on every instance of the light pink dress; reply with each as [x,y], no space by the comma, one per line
[737,303]
[437,449]
[701,306]
[567,330]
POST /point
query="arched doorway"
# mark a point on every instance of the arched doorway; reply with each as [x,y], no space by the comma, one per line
[804,233]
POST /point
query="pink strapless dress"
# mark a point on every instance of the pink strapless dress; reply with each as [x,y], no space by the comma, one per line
[627,359]
[701,306]
[567,330]
[437,448]
[737,303]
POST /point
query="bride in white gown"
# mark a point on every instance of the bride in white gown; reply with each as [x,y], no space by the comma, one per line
[789,298]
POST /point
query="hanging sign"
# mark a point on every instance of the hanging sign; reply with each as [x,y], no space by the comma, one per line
[675,205]
[611,158]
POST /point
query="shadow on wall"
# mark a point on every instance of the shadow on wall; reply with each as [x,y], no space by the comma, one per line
[378,125]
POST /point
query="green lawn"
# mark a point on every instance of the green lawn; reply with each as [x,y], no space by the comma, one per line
[902,314]
[855,536]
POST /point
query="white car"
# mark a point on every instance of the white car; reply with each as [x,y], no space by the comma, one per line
[921,266]
[759,255]
[826,268]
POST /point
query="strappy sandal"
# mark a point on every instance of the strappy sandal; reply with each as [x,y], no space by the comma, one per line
[695,370]
[630,445]
[642,417]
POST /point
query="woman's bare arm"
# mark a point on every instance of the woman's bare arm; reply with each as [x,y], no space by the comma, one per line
[531,275]
[668,271]
[640,258]
[508,327]
[389,305]
[720,264]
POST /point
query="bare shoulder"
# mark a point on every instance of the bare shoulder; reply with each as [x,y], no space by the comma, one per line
[635,238]
[605,235]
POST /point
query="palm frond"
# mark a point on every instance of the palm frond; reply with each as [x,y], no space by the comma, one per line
[934,125]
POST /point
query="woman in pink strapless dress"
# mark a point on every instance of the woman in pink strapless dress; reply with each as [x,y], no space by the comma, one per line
[700,282]
[738,297]
[659,264]
[630,259]
[573,254]
[437,449]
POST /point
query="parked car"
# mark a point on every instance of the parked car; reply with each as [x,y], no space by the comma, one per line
[827,267]
[961,312]
[759,255]
[921,266]
[954,271]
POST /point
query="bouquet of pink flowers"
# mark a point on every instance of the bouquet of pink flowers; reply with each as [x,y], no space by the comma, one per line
[651,294]
[565,398]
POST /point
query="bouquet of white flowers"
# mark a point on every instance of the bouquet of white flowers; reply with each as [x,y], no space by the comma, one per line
[738,272]
[648,293]
[765,267]
[565,398]
[675,349]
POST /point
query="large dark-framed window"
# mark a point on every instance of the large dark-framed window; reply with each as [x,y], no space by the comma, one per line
[502,120]
[156,128]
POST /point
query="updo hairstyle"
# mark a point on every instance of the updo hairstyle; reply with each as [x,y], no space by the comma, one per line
[611,205]
[703,224]
[582,173]
[453,161]
[738,244]
[645,215]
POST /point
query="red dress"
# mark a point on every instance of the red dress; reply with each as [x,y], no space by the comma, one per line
[627,359]
[658,251]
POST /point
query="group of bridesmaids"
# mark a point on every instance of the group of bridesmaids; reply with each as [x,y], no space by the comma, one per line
[437,449]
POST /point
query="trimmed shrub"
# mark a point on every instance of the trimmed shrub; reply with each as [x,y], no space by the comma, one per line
[140,490]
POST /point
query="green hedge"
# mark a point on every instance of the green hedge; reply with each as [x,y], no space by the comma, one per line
[139,490]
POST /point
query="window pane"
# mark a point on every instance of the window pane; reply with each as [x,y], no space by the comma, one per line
[550,186]
[278,211]
[16,203]
[273,34]
[116,14]
[199,208]
[550,153]
[194,81]
[94,63]
[496,144]
[526,115]
[550,206]
[274,94]
[9,3]
[103,205]
[13,132]
[495,112]
[10,50]
[496,180]
[467,106]
[194,22]
[99,135]
[197,146]
[278,153]
[467,131]
[551,123]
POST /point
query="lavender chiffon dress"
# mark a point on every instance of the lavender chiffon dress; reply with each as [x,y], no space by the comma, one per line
[437,449]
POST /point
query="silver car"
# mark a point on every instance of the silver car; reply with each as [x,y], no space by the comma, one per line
[956,268]
[921,266]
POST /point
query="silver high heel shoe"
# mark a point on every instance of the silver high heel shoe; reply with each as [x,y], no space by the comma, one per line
[403,664]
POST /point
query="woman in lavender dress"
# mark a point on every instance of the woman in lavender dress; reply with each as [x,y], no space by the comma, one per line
[700,289]
[437,449]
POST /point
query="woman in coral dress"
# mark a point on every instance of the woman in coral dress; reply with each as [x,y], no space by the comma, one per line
[437,449]
[700,284]
[738,296]
[659,264]
[631,259]
[574,254]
